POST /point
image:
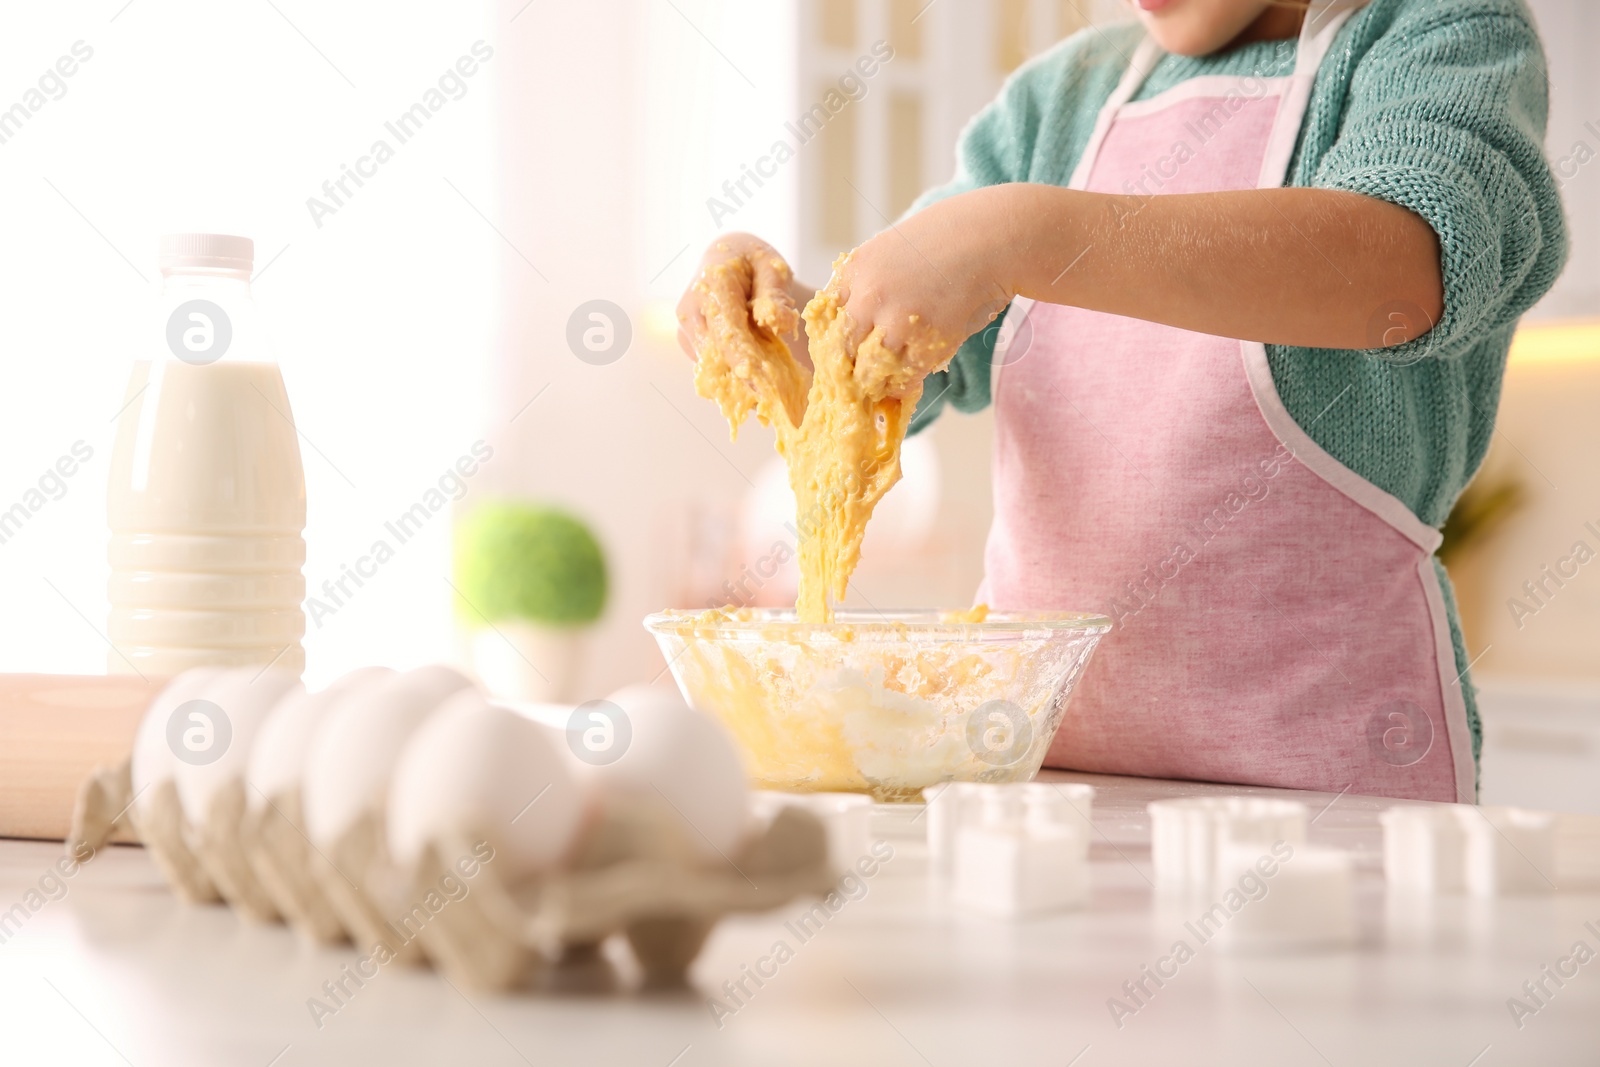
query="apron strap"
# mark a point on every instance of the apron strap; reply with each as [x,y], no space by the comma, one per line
[1324,19]
[1322,23]
[1144,60]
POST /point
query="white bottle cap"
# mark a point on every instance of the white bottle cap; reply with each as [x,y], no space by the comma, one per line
[214,251]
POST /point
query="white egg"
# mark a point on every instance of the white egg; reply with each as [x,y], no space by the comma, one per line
[683,758]
[483,772]
[152,760]
[216,741]
[352,757]
[278,758]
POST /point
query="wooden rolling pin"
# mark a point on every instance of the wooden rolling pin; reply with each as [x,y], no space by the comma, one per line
[54,730]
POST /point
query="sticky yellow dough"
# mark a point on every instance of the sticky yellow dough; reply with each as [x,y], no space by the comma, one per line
[743,363]
[838,427]
[835,713]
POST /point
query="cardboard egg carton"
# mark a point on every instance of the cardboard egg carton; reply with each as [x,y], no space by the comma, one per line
[631,872]
[275,842]
[105,805]
[633,875]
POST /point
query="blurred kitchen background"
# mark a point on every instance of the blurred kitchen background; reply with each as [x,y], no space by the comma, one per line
[590,159]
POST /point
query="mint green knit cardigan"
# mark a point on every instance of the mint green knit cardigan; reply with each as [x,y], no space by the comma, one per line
[1437,105]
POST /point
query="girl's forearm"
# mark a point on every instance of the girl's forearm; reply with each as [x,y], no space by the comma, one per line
[1312,267]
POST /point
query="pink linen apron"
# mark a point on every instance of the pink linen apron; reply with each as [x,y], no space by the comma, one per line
[1278,620]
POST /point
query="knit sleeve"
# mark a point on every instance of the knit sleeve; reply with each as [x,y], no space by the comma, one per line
[1446,117]
[993,149]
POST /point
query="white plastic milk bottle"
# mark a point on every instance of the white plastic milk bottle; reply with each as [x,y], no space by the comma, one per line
[207,498]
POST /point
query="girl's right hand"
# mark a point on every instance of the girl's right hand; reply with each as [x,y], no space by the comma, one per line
[769,279]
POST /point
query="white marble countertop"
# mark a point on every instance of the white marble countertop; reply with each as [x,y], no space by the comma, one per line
[117,971]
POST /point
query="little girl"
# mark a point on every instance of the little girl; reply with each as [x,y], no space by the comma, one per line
[1263,261]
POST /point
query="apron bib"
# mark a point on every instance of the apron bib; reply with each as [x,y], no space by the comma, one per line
[1278,620]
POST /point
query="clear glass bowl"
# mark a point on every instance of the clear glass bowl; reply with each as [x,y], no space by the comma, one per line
[885,703]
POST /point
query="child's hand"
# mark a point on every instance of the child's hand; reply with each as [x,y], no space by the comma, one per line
[772,295]
[928,283]
[1255,264]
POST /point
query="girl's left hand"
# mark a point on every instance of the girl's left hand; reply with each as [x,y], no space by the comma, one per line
[930,281]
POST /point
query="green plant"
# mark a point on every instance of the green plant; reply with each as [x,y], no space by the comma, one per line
[524,561]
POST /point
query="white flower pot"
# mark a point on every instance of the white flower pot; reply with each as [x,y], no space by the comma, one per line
[527,661]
